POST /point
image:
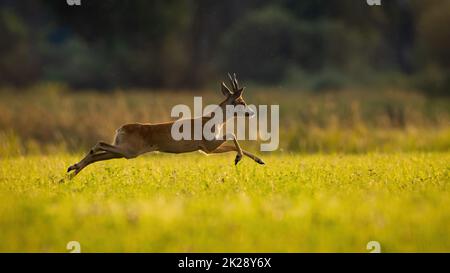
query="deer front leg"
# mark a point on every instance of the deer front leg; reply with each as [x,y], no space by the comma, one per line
[231,148]
[238,147]
[211,146]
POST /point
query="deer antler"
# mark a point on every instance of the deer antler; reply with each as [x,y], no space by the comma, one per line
[234,82]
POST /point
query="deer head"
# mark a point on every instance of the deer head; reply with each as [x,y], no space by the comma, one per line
[234,97]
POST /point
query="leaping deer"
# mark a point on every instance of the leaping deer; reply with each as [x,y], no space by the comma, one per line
[132,140]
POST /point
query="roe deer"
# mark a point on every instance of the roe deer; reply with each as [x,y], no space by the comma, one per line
[134,139]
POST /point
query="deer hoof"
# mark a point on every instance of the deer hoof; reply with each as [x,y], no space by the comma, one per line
[71,168]
[259,161]
[237,159]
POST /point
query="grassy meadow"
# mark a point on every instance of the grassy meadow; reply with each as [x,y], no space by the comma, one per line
[352,167]
[166,203]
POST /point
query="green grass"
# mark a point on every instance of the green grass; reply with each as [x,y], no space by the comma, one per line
[184,203]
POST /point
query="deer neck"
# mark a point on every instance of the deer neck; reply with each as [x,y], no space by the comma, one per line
[221,107]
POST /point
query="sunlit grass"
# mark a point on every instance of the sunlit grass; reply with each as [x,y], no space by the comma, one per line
[193,202]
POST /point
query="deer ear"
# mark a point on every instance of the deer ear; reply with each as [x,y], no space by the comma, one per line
[225,91]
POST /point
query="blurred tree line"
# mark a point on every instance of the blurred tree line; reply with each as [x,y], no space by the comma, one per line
[314,44]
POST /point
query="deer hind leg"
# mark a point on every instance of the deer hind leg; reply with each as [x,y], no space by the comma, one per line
[92,159]
[102,146]
[231,148]
[100,149]
[82,161]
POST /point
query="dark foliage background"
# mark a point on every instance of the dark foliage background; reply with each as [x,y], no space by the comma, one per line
[313,44]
